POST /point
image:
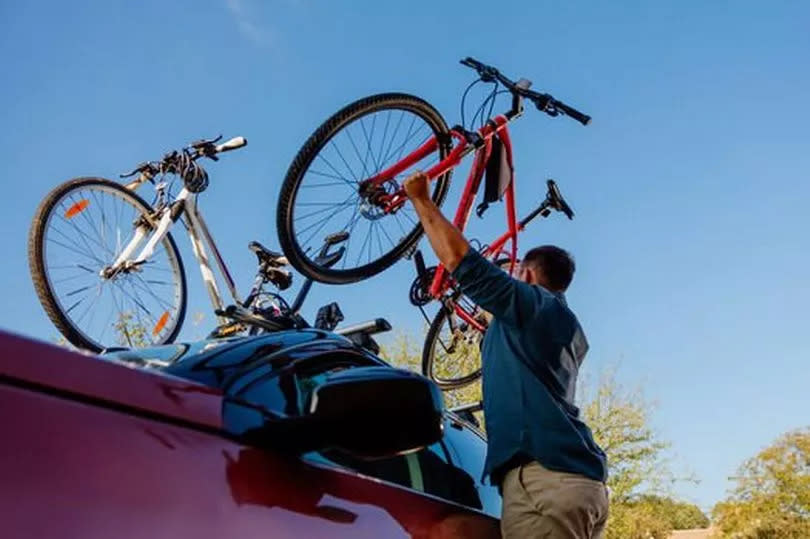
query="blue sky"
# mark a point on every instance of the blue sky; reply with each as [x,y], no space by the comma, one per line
[690,186]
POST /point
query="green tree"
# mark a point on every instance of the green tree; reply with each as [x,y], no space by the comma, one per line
[620,420]
[771,493]
[129,332]
[639,473]
[679,515]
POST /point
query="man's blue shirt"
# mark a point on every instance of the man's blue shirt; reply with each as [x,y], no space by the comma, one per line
[531,356]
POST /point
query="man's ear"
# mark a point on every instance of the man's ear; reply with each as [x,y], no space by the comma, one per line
[531,276]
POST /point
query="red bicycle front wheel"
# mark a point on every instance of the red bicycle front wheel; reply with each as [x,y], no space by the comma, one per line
[320,194]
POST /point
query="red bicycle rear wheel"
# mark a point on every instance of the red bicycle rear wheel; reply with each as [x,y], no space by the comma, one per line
[451,356]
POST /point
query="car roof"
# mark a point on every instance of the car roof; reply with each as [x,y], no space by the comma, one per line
[210,361]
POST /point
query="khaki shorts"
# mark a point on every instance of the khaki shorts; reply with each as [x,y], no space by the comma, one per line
[538,502]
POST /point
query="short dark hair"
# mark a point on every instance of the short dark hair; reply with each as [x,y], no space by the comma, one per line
[557,264]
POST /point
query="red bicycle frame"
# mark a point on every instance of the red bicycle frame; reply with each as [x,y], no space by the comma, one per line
[483,148]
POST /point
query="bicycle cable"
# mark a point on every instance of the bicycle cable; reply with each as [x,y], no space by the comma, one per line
[464,99]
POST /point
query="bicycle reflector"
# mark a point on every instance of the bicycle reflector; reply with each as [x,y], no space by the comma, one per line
[77,208]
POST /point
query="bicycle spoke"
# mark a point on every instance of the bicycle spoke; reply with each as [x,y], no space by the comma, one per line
[410,218]
[343,205]
[85,215]
[67,311]
[390,152]
[387,236]
[328,184]
[83,237]
[135,301]
[70,278]
[382,143]
[69,248]
[387,152]
[348,202]
[103,228]
[402,147]
[379,241]
[343,159]
[88,308]
[339,175]
[330,204]
[71,266]
[396,218]
[353,220]
[357,152]
[144,288]
[93,311]
[78,290]
[369,151]
[324,224]
[362,248]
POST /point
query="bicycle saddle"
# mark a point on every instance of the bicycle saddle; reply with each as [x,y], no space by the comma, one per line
[265,255]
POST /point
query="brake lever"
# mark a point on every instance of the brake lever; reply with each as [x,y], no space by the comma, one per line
[143,167]
[487,73]
[202,143]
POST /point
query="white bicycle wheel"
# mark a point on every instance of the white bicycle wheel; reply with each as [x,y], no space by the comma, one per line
[79,229]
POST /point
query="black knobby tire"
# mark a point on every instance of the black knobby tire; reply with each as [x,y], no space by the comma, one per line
[429,351]
[432,341]
[310,151]
[39,272]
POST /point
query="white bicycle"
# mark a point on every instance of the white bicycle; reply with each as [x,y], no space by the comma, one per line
[108,272]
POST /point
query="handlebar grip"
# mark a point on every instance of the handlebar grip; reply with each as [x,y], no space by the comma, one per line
[584,119]
[471,62]
[234,144]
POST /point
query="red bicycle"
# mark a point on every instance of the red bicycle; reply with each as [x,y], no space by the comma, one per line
[362,155]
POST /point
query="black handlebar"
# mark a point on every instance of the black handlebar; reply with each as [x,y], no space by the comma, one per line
[543,102]
[197,149]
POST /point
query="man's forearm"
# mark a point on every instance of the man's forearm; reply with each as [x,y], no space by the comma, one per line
[446,240]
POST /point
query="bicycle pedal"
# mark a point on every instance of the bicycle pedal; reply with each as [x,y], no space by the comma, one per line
[227,330]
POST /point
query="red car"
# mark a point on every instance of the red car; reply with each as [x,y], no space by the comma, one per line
[290,434]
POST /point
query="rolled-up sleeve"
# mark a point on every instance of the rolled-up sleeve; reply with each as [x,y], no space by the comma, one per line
[509,300]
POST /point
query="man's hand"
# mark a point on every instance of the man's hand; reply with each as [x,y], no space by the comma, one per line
[446,240]
[416,186]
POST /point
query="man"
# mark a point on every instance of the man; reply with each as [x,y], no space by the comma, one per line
[542,456]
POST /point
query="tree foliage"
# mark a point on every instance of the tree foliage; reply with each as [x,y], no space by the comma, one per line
[639,474]
[771,493]
[620,421]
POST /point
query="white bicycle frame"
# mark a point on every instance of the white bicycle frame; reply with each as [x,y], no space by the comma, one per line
[156,228]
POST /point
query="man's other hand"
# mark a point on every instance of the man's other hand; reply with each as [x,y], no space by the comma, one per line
[416,186]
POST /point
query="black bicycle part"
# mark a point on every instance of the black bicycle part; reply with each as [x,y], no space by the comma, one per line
[419,294]
[553,201]
[183,162]
[544,102]
[271,265]
[324,259]
[329,316]
[361,334]
[556,200]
